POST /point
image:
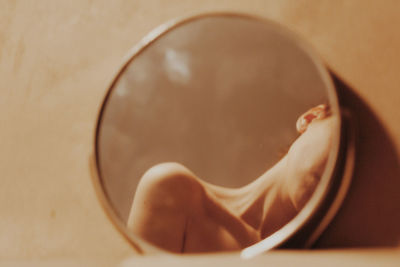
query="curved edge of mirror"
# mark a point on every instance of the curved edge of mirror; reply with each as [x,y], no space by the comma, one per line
[319,219]
[343,175]
[141,246]
[319,196]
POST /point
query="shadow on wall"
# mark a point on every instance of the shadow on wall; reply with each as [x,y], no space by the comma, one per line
[370,215]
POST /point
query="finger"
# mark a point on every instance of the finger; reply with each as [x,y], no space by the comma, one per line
[315,113]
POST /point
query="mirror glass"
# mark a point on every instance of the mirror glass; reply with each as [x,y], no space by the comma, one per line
[215,134]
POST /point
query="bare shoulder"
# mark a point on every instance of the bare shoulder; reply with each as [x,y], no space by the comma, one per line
[168,173]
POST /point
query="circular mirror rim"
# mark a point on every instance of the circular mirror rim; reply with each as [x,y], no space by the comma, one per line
[314,202]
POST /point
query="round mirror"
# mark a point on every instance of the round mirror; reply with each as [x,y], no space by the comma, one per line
[221,132]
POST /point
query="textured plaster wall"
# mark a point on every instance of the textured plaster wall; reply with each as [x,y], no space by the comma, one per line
[57,59]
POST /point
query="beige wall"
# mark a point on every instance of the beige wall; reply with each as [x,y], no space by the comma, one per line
[58,57]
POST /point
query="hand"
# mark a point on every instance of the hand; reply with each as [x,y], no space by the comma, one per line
[308,155]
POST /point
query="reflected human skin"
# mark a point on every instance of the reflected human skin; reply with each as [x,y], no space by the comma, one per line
[177,211]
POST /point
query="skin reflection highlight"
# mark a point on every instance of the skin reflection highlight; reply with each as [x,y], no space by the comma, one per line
[177,211]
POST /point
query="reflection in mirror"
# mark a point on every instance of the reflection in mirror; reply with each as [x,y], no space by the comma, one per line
[216,134]
[178,211]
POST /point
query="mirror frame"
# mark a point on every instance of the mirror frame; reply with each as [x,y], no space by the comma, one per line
[305,228]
